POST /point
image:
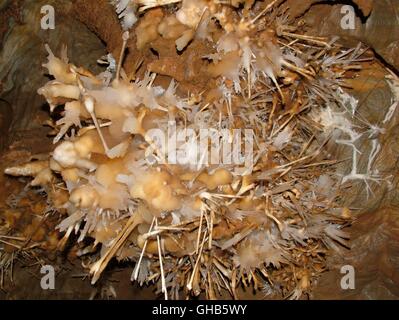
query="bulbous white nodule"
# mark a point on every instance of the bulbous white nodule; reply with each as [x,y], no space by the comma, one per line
[65,154]
[89,104]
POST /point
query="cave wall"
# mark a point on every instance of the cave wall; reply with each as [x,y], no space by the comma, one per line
[22,55]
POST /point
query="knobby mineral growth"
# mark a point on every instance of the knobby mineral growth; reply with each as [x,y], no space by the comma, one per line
[193,228]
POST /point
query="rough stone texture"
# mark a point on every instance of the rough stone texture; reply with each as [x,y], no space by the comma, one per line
[100,17]
[380,29]
[23,53]
[298,8]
